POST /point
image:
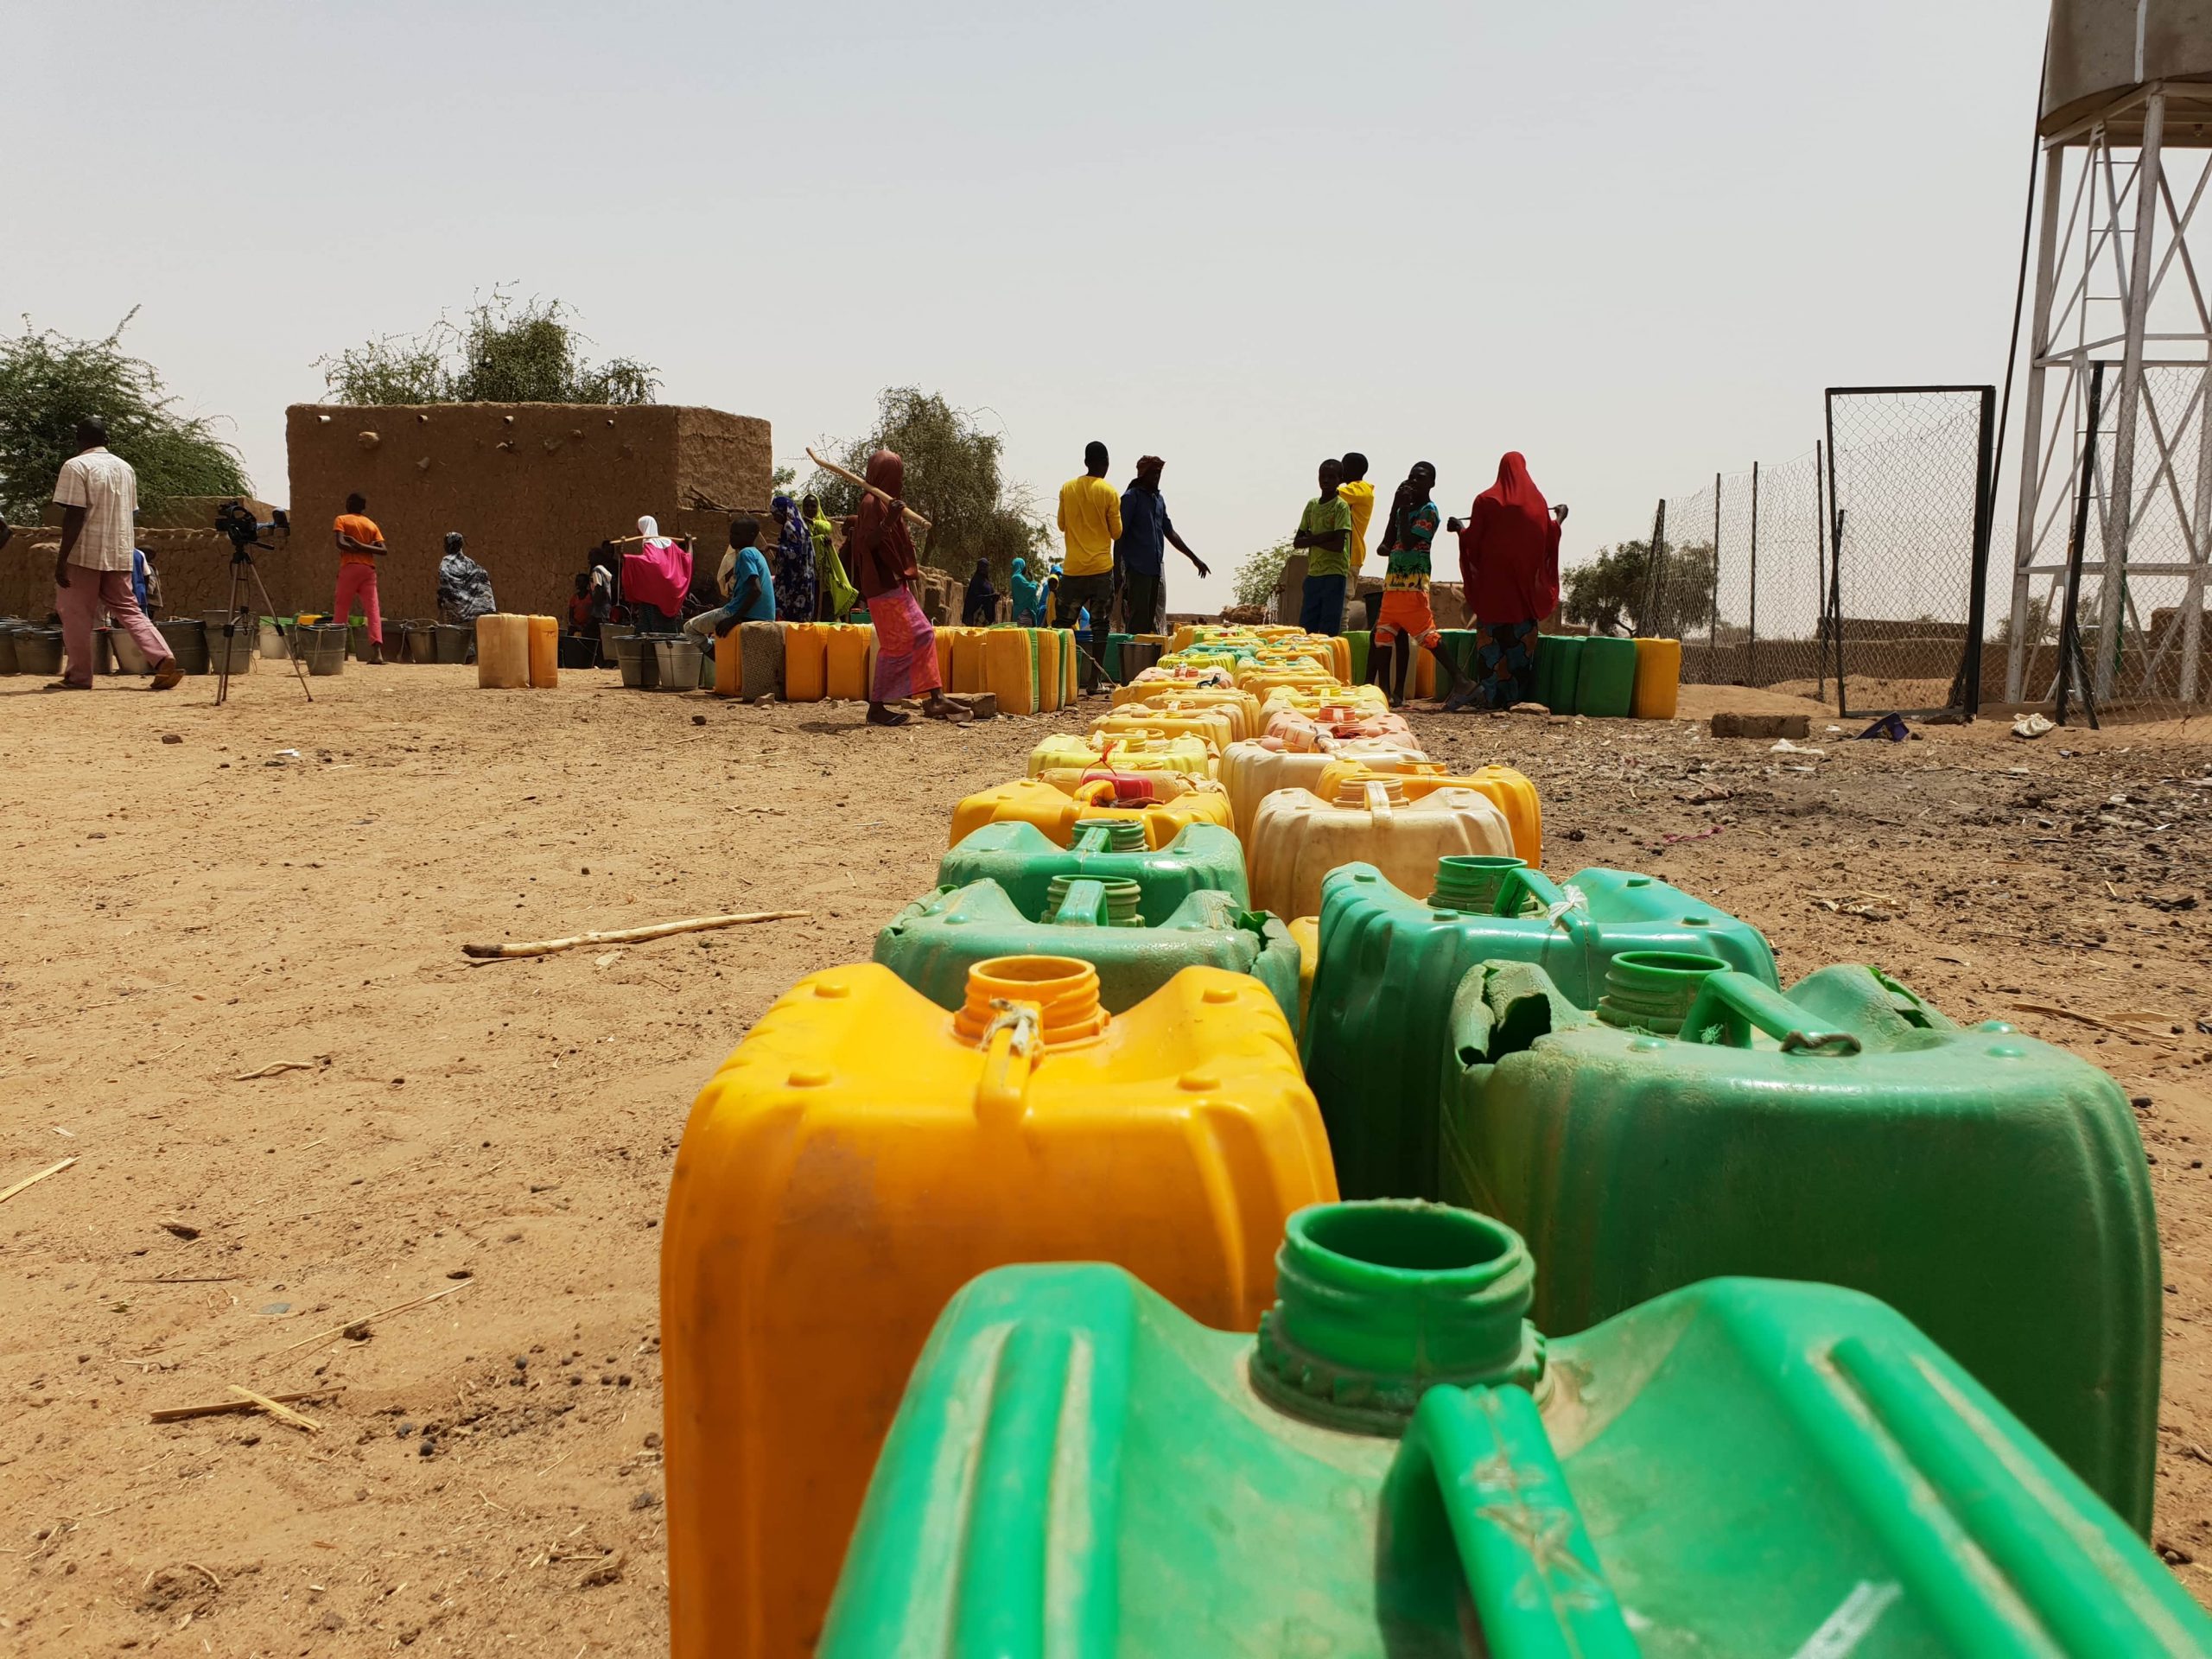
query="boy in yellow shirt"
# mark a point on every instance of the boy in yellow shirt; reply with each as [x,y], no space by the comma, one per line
[1358,494]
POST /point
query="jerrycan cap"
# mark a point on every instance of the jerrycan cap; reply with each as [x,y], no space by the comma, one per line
[1379,1301]
[1652,990]
[1063,991]
[1472,880]
[1359,790]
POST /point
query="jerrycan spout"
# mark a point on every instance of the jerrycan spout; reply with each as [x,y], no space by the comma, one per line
[1018,1009]
[1473,881]
[1653,990]
[1378,1302]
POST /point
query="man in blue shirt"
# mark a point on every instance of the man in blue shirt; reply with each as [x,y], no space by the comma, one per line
[1146,532]
[751,589]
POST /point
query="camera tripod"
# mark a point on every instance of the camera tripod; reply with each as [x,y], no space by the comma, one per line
[243,571]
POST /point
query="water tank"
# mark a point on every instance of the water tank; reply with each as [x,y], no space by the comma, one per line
[2101,50]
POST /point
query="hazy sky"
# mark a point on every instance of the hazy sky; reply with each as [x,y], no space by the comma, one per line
[1633,240]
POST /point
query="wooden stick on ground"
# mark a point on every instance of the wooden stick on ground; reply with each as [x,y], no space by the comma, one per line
[629,935]
[254,1401]
[32,1180]
[368,1318]
[854,477]
[225,1407]
[275,1068]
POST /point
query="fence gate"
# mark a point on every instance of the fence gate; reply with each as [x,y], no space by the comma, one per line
[1903,599]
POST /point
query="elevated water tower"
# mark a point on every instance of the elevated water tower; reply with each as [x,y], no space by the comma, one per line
[2123,299]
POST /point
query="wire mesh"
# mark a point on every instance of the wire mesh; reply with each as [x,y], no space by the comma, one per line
[1909,471]
[2144,636]
[1680,602]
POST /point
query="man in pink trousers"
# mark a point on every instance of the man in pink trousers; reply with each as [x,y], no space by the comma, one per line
[98,493]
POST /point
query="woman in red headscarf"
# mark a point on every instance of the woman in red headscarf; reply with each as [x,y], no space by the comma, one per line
[884,566]
[1509,562]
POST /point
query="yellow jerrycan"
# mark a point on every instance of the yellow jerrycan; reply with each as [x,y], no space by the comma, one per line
[1242,706]
[1009,662]
[1510,791]
[861,1156]
[502,651]
[1056,812]
[1297,838]
[1252,771]
[1173,719]
[1064,751]
[968,673]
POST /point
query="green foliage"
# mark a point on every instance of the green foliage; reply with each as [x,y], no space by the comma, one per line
[49,382]
[953,478]
[783,479]
[500,353]
[1261,574]
[1615,587]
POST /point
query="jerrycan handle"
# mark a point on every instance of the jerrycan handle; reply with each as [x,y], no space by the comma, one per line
[1476,1496]
[1378,799]
[1730,1005]
[1010,1045]
[1084,905]
[1560,905]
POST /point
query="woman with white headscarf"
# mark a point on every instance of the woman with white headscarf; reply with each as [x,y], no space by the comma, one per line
[655,579]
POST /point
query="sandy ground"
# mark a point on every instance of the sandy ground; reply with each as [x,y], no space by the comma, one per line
[294,884]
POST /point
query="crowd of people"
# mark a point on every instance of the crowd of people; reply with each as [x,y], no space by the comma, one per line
[1508,574]
[797,567]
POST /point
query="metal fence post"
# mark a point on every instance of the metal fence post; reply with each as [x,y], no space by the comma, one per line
[1820,576]
[1751,639]
[2069,619]
[1985,514]
[1712,627]
[1648,623]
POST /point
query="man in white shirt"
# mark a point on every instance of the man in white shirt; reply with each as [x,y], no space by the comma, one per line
[98,493]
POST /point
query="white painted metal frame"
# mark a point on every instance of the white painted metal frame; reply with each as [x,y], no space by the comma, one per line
[2115,218]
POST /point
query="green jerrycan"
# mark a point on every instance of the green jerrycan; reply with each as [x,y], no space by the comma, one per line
[1021,858]
[1989,1187]
[933,943]
[1559,668]
[1375,1042]
[1399,1465]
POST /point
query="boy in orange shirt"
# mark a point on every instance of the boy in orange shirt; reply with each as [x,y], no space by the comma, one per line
[360,545]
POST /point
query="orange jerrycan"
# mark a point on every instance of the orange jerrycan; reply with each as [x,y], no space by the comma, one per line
[864,1154]
[1297,837]
[967,674]
[807,669]
[545,651]
[1510,791]
[846,667]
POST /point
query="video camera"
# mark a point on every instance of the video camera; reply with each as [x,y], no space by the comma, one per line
[237,521]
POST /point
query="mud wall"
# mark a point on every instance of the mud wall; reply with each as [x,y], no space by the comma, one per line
[533,486]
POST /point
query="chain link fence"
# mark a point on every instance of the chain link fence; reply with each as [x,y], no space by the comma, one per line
[2139,643]
[1857,571]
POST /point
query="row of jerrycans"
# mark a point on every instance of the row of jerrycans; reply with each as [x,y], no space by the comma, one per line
[872,1146]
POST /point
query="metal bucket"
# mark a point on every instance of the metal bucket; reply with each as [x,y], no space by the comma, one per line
[322,647]
[272,638]
[455,640]
[38,650]
[357,641]
[680,663]
[422,642]
[187,638]
[128,659]
[8,627]
[608,634]
[639,661]
[243,646]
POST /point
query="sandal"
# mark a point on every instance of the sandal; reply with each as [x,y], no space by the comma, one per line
[877,714]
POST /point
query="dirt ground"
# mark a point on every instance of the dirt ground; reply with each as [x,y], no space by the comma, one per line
[289,884]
